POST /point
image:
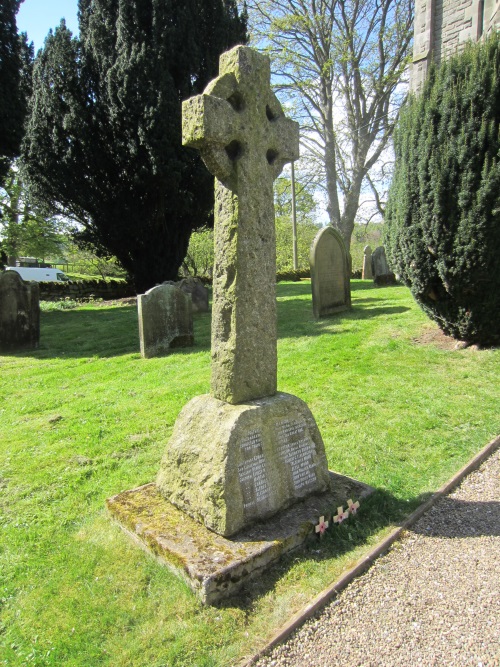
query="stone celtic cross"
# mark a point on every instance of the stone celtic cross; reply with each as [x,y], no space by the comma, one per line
[245,140]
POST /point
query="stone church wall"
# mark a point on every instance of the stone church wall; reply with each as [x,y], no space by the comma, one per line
[442,27]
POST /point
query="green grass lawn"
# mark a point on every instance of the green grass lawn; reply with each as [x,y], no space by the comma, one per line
[84,417]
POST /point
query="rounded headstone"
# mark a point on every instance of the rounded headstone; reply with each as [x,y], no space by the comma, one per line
[19,313]
[330,273]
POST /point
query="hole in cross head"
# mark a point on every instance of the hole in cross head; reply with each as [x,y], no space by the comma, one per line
[269,113]
[234,150]
[236,101]
[271,156]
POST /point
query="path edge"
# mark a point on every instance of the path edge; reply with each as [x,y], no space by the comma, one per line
[322,599]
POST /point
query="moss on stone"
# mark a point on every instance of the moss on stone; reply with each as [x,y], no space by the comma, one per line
[214,566]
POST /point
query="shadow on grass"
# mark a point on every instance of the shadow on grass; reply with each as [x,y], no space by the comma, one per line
[287,290]
[113,331]
[303,288]
[101,332]
[295,315]
[295,318]
[365,313]
[378,511]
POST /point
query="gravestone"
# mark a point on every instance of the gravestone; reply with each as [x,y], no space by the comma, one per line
[19,313]
[244,452]
[367,263]
[165,320]
[196,290]
[382,275]
[330,272]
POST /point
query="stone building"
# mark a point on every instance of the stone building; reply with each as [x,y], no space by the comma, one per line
[444,26]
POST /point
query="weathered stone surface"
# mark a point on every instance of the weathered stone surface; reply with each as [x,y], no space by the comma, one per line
[196,290]
[379,262]
[19,313]
[367,263]
[216,567]
[165,320]
[243,454]
[245,140]
[198,293]
[228,465]
[382,275]
[443,27]
[330,271]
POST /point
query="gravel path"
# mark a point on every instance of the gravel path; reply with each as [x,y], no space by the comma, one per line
[434,599]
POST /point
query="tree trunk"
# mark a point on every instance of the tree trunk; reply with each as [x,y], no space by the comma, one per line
[333,206]
[13,236]
[351,206]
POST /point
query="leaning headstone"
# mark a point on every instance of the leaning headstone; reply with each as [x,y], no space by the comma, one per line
[382,275]
[165,320]
[367,263]
[19,313]
[330,273]
[197,291]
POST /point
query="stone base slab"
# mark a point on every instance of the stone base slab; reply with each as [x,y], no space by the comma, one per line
[216,567]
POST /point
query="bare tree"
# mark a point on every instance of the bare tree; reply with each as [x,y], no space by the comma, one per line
[339,66]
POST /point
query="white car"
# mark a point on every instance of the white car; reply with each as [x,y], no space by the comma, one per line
[39,275]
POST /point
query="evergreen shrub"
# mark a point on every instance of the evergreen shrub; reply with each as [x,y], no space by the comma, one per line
[103,142]
[294,275]
[442,231]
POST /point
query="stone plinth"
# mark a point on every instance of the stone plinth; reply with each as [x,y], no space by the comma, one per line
[19,313]
[216,567]
[229,465]
[330,284]
[165,320]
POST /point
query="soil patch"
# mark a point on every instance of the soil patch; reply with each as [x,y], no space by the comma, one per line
[126,301]
[437,338]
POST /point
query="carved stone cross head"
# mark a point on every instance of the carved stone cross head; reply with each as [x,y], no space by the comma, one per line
[238,123]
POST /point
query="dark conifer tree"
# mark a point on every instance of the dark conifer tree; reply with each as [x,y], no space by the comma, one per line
[15,73]
[442,227]
[103,141]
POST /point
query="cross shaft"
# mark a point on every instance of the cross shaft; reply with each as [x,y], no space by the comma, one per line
[245,140]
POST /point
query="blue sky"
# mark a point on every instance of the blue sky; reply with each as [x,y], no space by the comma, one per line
[36,17]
